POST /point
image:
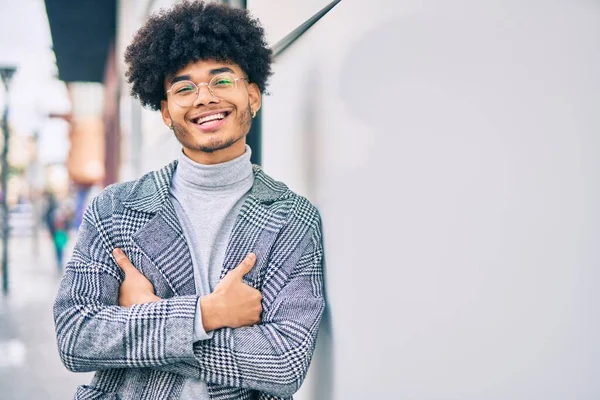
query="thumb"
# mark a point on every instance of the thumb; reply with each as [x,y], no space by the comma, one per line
[244,267]
[123,262]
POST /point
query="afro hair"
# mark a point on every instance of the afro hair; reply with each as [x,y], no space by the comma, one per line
[192,31]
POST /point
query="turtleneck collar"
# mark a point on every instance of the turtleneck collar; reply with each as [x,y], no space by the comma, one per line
[215,176]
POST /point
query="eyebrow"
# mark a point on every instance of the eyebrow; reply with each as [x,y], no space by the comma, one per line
[214,71]
[181,78]
[217,71]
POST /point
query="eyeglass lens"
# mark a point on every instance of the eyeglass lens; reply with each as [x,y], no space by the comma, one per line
[186,92]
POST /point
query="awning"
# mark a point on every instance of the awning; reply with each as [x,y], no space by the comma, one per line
[82,32]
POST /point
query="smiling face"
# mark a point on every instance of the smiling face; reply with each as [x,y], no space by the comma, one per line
[211,129]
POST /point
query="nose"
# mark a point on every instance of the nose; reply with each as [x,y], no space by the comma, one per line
[204,95]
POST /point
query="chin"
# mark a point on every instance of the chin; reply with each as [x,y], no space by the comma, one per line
[214,144]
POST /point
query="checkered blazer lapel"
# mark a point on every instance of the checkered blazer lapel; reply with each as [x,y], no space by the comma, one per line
[161,238]
[256,226]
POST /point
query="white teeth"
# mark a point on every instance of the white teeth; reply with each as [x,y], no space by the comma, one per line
[210,118]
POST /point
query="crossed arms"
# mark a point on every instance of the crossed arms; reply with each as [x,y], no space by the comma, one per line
[95,332]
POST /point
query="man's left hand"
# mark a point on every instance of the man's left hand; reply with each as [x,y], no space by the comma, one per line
[136,288]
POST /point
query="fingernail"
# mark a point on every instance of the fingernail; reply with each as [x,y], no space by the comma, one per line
[117,252]
[251,255]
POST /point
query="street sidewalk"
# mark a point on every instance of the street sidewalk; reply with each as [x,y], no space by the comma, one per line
[30,367]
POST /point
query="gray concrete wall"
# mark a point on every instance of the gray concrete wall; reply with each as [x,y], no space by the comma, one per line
[452,148]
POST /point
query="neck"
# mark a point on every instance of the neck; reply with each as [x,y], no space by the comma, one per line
[191,174]
[218,156]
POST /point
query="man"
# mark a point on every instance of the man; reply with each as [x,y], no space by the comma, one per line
[202,280]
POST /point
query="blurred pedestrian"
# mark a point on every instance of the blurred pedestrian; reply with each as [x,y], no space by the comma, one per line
[57,218]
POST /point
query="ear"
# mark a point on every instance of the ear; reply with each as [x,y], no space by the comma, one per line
[164,110]
[255,97]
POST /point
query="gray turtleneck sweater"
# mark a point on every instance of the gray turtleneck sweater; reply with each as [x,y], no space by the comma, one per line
[207,200]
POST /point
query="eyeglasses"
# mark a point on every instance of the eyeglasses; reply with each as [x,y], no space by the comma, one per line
[185,93]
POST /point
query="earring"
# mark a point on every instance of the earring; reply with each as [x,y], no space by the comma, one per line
[171,126]
[253,114]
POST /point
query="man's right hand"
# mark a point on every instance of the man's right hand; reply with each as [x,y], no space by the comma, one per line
[233,303]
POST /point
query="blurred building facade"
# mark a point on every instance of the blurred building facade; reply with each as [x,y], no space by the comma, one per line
[86,63]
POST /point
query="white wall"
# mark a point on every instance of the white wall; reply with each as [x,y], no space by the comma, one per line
[453,149]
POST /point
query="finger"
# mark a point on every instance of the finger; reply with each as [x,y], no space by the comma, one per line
[122,261]
[245,266]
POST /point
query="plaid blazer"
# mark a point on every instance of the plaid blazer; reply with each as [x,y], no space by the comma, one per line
[146,351]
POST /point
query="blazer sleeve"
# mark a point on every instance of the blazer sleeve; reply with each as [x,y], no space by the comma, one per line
[93,332]
[272,357]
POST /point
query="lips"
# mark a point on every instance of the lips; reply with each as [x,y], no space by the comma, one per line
[208,117]
[210,121]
